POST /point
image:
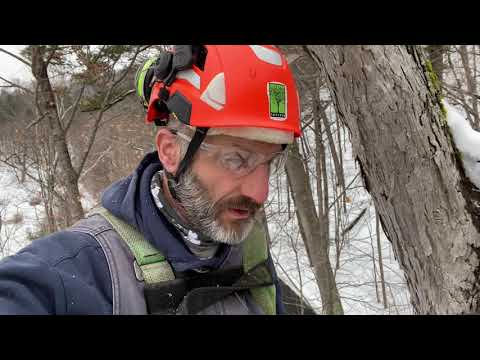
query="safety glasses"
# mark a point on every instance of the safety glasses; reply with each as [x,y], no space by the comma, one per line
[240,162]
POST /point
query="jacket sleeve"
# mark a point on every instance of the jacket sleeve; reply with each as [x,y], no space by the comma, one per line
[29,286]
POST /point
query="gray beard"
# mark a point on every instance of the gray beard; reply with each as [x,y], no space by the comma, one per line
[201,212]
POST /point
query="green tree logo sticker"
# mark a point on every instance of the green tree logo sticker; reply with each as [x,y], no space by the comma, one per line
[277,97]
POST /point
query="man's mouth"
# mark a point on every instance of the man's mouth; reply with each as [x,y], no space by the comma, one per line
[239,213]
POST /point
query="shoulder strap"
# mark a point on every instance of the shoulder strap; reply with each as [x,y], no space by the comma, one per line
[151,265]
[255,251]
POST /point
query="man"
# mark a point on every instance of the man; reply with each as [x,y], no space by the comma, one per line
[179,235]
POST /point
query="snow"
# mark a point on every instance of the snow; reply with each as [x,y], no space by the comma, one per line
[88,201]
[19,219]
[467,141]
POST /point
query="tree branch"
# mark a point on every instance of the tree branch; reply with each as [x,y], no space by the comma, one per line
[109,105]
[97,160]
[35,122]
[465,92]
[16,57]
[106,106]
[38,181]
[12,84]
[134,57]
[75,108]
[343,192]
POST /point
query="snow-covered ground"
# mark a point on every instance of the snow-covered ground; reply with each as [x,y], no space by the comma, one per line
[19,217]
[19,214]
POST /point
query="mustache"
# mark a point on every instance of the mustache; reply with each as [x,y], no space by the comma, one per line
[239,202]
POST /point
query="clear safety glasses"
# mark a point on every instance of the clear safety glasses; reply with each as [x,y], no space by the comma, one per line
[240,162]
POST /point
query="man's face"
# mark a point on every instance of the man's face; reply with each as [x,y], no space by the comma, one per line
[218,202]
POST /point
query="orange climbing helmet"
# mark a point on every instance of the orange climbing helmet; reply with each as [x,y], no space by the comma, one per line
[221,86]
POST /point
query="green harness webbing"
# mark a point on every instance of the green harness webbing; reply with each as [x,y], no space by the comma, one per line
[255,251]
[153,267]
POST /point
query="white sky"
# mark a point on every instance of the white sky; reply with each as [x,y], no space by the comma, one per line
[11,68]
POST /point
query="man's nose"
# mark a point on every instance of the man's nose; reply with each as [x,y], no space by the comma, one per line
[255,185]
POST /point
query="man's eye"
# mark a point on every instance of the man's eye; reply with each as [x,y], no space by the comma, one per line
[234,161]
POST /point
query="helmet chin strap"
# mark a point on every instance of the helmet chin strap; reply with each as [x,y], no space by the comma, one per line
[198,137]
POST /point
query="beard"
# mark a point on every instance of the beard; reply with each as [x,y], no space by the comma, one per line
[204,214]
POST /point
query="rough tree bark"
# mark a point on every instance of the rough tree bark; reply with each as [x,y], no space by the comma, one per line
[47,106]
[428,209]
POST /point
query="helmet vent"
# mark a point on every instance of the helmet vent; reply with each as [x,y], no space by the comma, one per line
[214,94]
[191,76]
[199,56]
[267,55]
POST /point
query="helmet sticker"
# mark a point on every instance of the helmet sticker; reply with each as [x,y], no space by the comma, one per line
[277,99]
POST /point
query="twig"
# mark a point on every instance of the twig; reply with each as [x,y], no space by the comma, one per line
[16,57]
[12,84]
[97,161]
[104,109]
[35,122]
[75,108]
[109,105]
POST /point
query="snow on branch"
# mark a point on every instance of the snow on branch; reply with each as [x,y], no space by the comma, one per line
[467,141]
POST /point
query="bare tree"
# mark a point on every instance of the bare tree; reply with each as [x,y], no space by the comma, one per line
[470,82]
[46,107]
[311,231]
[95,78]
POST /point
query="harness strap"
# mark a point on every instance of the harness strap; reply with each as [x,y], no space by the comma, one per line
[150,265]
[192,294]
[255,251]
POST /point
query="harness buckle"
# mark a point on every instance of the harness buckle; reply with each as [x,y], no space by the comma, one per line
[138,271]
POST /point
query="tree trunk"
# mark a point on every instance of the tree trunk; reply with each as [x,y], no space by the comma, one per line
[312,233]
[436,54]
[380,259]
[388,100]
[294,304]
[46,105]
[471,83]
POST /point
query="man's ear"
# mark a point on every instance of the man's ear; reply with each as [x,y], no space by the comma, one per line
[168,150]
